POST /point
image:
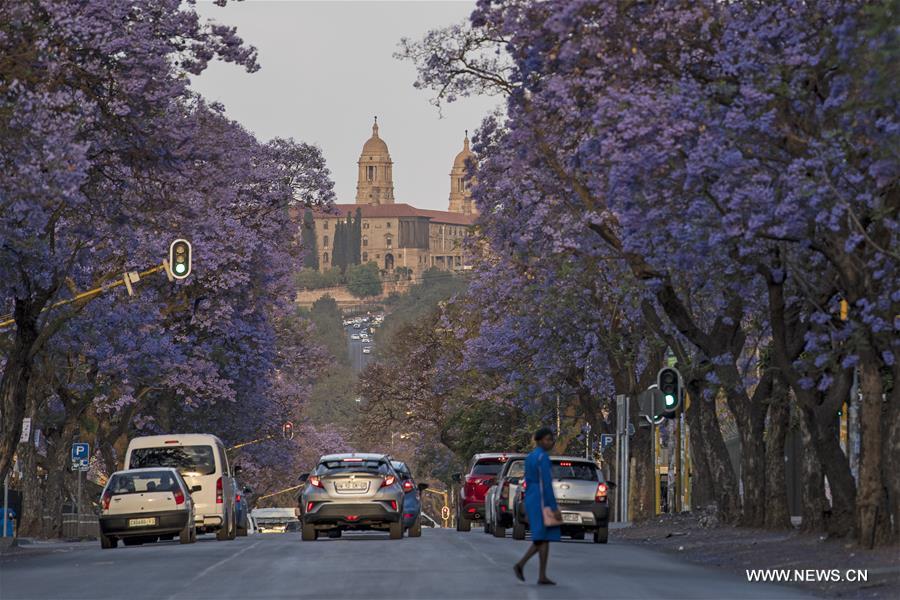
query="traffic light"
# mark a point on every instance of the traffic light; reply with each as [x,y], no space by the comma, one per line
[668,380]
[180,259]
[287,430]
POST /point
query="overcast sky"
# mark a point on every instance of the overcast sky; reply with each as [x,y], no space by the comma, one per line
[327,69]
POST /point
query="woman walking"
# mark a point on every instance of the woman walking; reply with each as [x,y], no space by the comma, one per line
[544,517]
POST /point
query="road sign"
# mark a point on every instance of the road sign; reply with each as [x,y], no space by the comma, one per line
[26,429]
[606,440]
[81,451]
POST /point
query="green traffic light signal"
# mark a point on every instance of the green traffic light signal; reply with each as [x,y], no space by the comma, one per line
[670,400]
[668,380]
[180,258]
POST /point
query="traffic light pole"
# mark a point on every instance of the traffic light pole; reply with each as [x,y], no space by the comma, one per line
[126,280]
[678,475]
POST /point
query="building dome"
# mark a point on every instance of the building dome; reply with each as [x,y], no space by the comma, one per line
[460,161]
[375,145]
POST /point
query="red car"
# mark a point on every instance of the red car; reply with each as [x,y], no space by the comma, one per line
[482,473]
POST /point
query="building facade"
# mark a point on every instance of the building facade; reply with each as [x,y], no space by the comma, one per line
[395,235]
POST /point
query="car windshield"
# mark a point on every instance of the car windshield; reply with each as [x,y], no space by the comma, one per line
[189,460]
[574,470]
[487,467]
[135,483]
[336,466]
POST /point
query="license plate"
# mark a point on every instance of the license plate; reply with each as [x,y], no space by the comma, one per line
[142,522]
[352,485]
[571,518]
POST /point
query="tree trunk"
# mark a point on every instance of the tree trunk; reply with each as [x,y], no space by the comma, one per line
[724,480]
[777,514]
[14,385]
[643,495]
[840,518]
[891,453]
[702,492]
[872,513]
[812,482]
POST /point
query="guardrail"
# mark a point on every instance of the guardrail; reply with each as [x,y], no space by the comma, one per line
[80,526]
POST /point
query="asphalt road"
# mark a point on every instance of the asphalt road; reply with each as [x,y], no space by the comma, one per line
[441,564]
[358,360]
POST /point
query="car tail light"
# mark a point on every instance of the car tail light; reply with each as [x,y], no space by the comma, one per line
[171,442]
[316,481]
[107,497]
[407,515]
[309,506]
[471,510]
[524,485]
[393,505]
[388,481]
[352,517]
[179,497]
[565,464]
[237,497]
[219,497]
[601,491]
[408,485]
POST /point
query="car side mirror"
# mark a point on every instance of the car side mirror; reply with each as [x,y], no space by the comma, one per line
[196,488]
[423,487]
[303,478]
[457,477]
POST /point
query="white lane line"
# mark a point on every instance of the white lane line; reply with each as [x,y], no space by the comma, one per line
[215,565]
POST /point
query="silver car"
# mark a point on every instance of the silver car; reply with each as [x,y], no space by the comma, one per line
[499,502]
[581,493]
[351,492]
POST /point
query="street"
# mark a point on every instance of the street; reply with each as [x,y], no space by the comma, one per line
[441,564]
[358,359]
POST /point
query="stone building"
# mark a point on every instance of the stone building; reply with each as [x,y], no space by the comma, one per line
[395,235]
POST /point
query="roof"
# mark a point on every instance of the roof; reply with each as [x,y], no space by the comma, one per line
[186,439]
[375,145]
[145,470]
[460,160]
[580,459]
[387,211]
[507,455]
[362,455]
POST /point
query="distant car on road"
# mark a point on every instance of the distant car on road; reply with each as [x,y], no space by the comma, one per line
[499,502]
[412,502]
[482,471]
[202,461]
[242,509]
[367,349]
[581,493]
[351,492]
[354,336]
[140,505]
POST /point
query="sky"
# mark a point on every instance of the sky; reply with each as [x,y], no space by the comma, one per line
[327,68]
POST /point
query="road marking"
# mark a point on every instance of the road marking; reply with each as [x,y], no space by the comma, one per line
[213,566]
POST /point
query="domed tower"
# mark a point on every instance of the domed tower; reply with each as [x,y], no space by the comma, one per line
[375,183]
[460,184]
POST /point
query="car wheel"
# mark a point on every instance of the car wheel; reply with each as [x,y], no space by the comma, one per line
[463,524]
[601,535]
[107,542]
[416,529]
[222,532]
[133,541]
[308,533]
[518,531]
[499,532]
[242,531]
[578,535]
[187,535]
[396,530]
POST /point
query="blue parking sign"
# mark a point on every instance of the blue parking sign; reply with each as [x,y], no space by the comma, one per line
[606,440]
[81,451]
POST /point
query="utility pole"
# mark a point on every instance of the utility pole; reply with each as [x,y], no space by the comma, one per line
[677,499]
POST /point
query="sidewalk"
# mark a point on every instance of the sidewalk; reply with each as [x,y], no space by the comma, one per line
[699,539]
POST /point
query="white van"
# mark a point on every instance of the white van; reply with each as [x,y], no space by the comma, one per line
[201,460]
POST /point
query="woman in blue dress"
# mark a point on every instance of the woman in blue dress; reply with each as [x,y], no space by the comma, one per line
[539,494]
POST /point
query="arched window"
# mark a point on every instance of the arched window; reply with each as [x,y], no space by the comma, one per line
[365,224]
[370,173]
[324,224]
[388,240]
[365,257]
[325,258]
[325,241]
[365,240]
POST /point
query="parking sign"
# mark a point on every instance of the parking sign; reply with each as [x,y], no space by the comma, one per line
[606,440]
[81,451]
